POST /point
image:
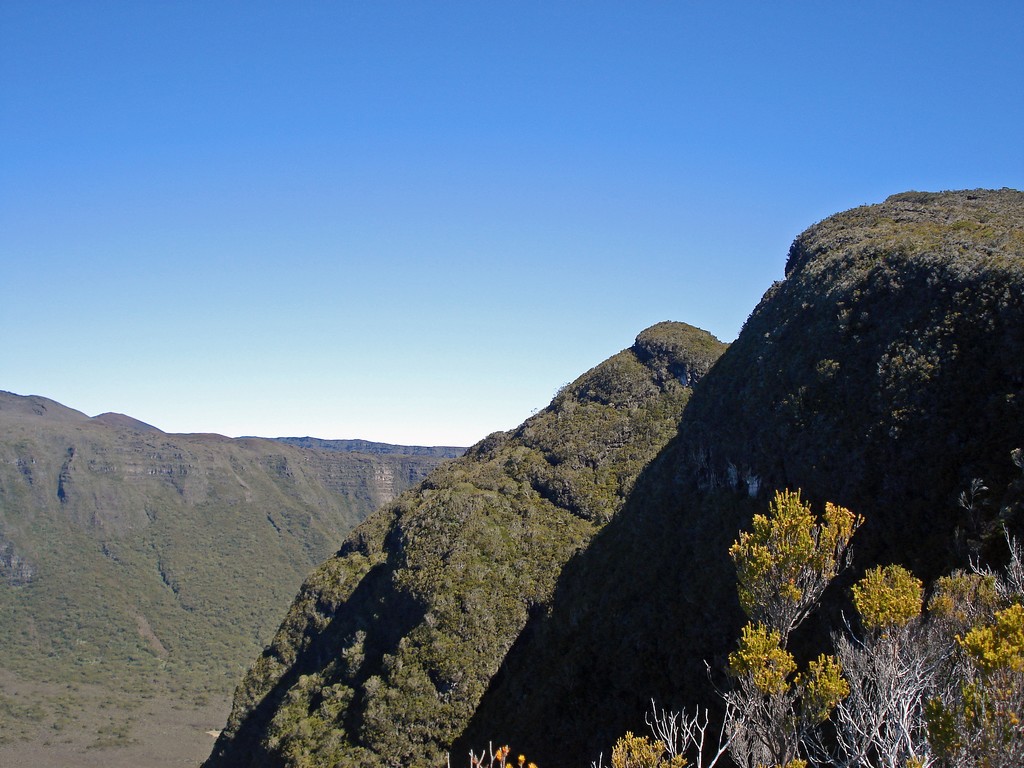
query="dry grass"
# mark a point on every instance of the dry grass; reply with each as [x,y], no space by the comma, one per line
[44,725]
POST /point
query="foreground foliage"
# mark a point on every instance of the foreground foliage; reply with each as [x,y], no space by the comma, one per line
[784,564]
[906,690]
[787,561]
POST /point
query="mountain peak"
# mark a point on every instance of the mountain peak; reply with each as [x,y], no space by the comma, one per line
[121,421]
[34,405]
[680,350]
[428,595]
[940,225]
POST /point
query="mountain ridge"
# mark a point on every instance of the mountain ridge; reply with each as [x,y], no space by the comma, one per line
[882,373]
[771,415]
[127,554]
[369,446]
[37,405]
[455,567]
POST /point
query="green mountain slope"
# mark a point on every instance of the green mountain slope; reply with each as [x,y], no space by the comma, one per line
[390,645]
[513,599]
[143,560]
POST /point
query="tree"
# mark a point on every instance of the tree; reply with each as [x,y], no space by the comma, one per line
[889,671]
[977,717]
[682,732]
[772,713]
[783,566]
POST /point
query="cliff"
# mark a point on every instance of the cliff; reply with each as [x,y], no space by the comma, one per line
[137,558]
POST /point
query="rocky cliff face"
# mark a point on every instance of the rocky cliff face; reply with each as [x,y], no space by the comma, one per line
[368,446]
[117,539]
[534,593]
[15,570]
[390,646]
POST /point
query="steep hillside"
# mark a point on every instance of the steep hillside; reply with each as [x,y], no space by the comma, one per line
[140,559]
[884,373]
[390,646]
[508,601]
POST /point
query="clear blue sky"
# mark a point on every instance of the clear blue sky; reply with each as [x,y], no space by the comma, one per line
[413,221]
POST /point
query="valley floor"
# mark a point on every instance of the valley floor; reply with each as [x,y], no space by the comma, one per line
[46,725]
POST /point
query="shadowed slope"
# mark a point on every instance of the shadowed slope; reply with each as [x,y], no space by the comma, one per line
[390,645]
[550,595]
[884,373]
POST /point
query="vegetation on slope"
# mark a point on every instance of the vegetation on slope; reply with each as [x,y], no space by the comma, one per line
[884,373]
[390,646]
[809,396]
[368,446]
[142,560]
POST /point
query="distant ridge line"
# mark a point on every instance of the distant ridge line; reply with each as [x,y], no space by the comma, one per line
[368,446]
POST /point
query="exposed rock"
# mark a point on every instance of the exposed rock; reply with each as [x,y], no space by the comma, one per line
[15,570]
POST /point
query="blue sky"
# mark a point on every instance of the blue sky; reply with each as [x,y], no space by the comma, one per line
[412,222]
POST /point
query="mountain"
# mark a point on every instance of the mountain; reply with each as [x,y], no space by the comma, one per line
[141,560]
[366,446]
[391,644]
[883,374]
[543,588]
